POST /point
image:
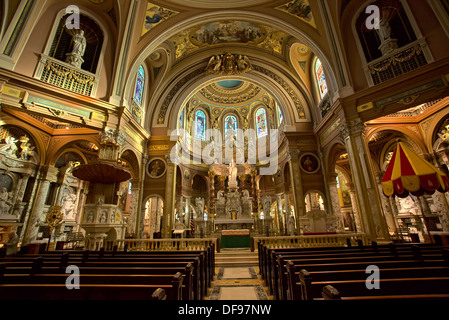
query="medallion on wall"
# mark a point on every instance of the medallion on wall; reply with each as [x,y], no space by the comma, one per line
[156,168]
[309,163]
[187,175]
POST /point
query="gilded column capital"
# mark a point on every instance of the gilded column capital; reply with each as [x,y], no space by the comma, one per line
[353,127]
[293,154]
[332,177]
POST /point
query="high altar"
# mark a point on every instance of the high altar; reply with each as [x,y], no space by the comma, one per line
[233,210]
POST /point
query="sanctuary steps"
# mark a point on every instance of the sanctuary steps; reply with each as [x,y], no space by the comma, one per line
[236,258]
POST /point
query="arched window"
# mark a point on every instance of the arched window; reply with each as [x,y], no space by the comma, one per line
[181,120]
[261,123]
[200,125]
[281,116]
[140,83]
[63,43]
[320,78]
[230,123]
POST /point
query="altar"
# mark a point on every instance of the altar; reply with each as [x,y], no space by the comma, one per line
[235,238]
[233,209]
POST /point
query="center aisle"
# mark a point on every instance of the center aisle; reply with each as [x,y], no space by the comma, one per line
[238,283]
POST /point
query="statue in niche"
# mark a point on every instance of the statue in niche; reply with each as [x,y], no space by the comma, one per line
[266,203]
[75,58]
[199,203]
[291,229]
[232,174]
[103,217]
[5,201]
[90,217]
[388,44]
[68,205]
[220,198]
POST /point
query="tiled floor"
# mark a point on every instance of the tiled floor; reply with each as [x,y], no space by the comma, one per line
[238,284]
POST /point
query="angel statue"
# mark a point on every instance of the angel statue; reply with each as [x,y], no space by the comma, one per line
[10,147]
[27,149]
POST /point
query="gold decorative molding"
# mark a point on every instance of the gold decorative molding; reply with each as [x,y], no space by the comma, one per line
[158,148]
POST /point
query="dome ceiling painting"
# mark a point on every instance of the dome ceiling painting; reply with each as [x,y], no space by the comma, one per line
[230,94]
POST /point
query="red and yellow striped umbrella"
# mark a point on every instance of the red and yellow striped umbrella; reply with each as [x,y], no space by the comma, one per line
[409,173]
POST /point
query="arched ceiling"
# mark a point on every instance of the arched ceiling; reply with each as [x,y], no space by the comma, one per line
[275,35]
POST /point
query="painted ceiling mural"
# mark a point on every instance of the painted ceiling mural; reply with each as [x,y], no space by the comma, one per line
[155,15]
[229,32]
[300,9]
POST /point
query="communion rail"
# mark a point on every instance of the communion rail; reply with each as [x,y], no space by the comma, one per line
[191,244]
[308,241]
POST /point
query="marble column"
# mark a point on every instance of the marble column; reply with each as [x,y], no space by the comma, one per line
[280,214]
[287,212]
[353,134]
[135,220]
[335,201]
[38,208]
[189,214]
[21,187]
[385,203]
[355,207]
[140,205]
[28,210]
[211,175]
[440,161]
[170,198]
[295,178]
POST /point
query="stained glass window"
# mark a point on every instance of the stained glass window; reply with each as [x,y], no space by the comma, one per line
[281,116]
[140,82]
[230,123]
[200,125]
[320,78]
[181,120]
[261,123]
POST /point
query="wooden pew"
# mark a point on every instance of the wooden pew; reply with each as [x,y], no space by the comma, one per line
[174,293]
[10,275]
[86,292]
[39,265]
[404,288]
[337,271]
[265,261]
[206,265]
[279,275]
[310,285]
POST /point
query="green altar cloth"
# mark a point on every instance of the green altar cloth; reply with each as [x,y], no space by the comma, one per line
[235,239]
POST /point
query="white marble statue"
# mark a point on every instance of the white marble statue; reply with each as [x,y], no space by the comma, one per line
[199,204]
[220,197]
[266,204]
[79,43]
[68,205]
[291,226]
[233,170]
[5,201]
[10,147]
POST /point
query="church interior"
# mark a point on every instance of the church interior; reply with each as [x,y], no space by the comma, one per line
[146,124]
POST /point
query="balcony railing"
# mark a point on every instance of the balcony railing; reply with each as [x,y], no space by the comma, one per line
[403,60]
[66,76]
[191,244]
[327,240]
